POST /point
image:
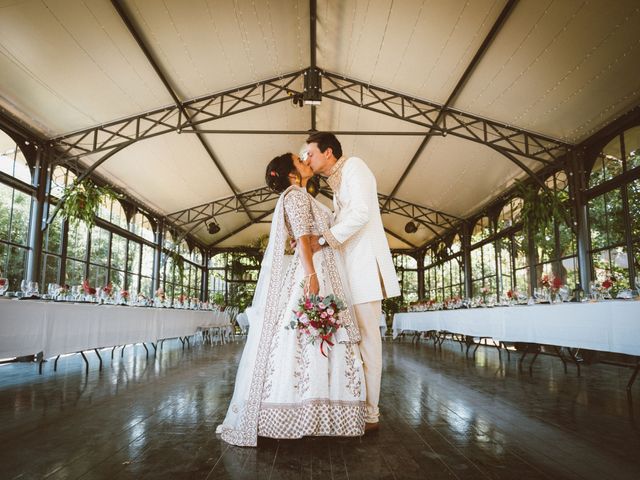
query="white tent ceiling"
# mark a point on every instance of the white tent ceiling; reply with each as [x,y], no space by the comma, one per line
[561,68]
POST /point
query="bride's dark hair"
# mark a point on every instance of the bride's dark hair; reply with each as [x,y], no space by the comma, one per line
[278,170]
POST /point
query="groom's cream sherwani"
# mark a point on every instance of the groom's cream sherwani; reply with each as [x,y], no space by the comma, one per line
[358,232]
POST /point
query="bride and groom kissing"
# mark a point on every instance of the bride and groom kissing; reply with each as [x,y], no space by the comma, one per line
[287,386]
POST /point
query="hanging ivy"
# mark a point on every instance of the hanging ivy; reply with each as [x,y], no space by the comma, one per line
[540,209]
[178,262]
[81,201]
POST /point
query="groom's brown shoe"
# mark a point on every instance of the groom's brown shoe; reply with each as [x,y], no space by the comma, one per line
[371,427]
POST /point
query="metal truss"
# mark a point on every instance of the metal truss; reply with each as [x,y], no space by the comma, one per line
[189,218]
[233,203]
[423,215]
[171,119]
[452,122]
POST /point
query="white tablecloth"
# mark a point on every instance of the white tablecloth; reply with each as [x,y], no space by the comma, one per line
[383,324]
[610,326]
[28,327]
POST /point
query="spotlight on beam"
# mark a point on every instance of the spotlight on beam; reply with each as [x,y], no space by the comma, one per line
[312,93]
[213,228]
[410,227]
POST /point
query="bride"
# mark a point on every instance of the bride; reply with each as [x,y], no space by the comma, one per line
[285,386]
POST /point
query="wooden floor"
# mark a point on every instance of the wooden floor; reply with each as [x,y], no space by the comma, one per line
[443,416]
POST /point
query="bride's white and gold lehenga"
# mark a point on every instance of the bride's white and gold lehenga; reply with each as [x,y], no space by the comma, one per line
[285,387]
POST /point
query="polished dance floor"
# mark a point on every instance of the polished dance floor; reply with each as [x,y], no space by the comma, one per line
[444,416]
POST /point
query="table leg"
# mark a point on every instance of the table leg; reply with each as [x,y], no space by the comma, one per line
[99,357]
[86,363]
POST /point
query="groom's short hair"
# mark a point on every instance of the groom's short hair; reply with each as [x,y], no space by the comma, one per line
[326,140]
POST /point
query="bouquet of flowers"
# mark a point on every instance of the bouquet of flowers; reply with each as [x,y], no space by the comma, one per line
[318,317]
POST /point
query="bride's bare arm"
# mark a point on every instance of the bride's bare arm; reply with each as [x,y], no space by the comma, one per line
[306,257]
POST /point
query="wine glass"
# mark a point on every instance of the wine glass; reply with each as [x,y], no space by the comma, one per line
[33,288]
[24,286]
[4,285]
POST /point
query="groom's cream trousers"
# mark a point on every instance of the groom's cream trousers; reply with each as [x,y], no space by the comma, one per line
[368,317]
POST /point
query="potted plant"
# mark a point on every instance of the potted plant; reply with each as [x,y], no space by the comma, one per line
[81,201]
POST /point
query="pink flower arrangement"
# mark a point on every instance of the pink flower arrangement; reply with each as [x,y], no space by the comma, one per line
[88,289]
[318,317]
[544,281]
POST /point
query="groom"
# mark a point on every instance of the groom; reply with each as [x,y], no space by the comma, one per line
[359,234]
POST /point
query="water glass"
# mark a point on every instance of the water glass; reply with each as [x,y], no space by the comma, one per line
[24,287]
[4,285]
[32,288]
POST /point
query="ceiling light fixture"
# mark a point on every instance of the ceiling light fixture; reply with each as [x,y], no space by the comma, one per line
[312,94]
[213,228]
[410,227]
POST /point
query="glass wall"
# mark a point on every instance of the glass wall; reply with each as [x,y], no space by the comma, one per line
[15,212]
[407,271]
[614,209]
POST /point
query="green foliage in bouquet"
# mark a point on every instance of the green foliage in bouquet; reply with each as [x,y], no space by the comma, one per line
[81,201]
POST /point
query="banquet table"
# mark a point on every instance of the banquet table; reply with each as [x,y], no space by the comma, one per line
[609,326]
[30,326]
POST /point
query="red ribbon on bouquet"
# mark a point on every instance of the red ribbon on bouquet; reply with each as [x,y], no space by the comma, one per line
[325,338]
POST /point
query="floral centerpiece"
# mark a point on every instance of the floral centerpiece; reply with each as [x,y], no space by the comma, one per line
[88,289]
[124,296]
[318,317]
[107,290]
[556,284]
[607,285]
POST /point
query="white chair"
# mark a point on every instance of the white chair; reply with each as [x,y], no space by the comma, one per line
[243,322]
[383,325]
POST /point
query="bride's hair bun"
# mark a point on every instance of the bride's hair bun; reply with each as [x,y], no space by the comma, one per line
[277,174]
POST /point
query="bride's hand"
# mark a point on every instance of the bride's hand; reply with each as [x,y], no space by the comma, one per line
[311,285]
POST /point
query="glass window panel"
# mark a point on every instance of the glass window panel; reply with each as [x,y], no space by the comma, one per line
[59,179]
[482,230]
[12,161]
[117,279]
[52,241]
[146,286]
[20,218]
[476,263]
[74,272]
[98,276]
[634,208]
[77,240]
[133,258]
[489,259]
[132,283]
[14,264]
[510,213]
[118,252]
[609,262]
[632,147]
[100,246]
[606,219]
[410,286]
[608,163]
[147,260]
[50,270]
[6,204]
